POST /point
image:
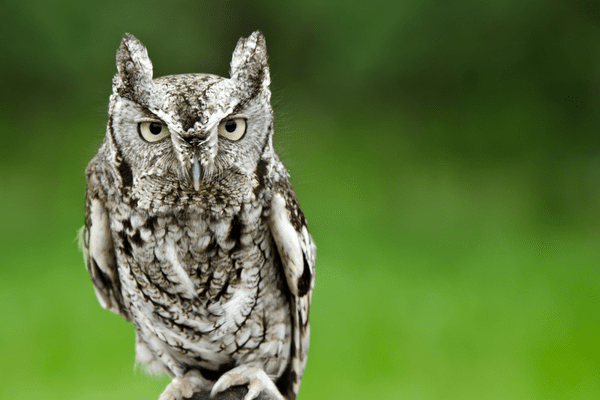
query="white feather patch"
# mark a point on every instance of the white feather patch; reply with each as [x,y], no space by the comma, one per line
[184,278]
[101,250]
[287,241]
[101,247]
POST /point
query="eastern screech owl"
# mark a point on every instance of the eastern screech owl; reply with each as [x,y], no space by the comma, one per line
[193,232]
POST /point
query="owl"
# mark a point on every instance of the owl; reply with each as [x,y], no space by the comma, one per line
[193,231]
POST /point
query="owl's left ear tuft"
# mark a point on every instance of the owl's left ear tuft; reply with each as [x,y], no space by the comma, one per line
[134,69]
[249,62]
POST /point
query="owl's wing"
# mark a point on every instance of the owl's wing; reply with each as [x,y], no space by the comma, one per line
[295,246]
[96,244]
[297,252]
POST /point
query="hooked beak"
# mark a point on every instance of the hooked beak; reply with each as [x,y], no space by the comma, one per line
[196,173]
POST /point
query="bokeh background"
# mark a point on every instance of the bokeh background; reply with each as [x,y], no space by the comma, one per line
[446,155]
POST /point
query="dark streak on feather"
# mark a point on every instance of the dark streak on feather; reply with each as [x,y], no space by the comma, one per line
[126,244]
[149,224]
[236,230]
[100,277]
[137,240]
[305,279]
[126,226]
[221,292]
[285,383]
[126,173]
[261,173]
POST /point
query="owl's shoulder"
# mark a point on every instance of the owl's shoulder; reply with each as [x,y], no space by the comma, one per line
[278,184]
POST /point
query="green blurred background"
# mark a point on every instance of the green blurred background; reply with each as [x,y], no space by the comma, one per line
[446,157]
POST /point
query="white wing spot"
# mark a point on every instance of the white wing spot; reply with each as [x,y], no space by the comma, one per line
[287,241]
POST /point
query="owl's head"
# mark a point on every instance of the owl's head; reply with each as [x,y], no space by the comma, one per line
[193,129]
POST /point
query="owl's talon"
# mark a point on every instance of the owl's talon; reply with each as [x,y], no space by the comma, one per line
[256,379]
[184,387]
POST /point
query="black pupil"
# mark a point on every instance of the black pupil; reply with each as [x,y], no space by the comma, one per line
[155,128]
[230,126]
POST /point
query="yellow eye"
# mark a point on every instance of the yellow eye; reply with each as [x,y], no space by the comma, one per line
[153,131]
[233,129]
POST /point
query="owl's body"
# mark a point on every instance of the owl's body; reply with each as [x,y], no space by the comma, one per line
[193,232]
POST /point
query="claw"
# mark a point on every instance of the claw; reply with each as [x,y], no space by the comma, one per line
[256,378]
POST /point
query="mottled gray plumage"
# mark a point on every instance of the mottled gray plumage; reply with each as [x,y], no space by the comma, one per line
[193,232]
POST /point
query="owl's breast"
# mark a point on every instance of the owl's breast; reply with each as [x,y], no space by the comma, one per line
[166,192]
[204,290]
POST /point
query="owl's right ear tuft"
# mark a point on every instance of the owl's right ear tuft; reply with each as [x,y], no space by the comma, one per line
[134,69]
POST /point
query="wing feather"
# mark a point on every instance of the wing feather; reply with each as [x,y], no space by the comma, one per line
[297,253]
[99,256]
[294,244]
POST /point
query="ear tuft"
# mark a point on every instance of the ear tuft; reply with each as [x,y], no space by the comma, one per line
[134,69]
[249,61]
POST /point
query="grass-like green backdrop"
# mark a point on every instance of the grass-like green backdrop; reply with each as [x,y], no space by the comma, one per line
[446,155]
